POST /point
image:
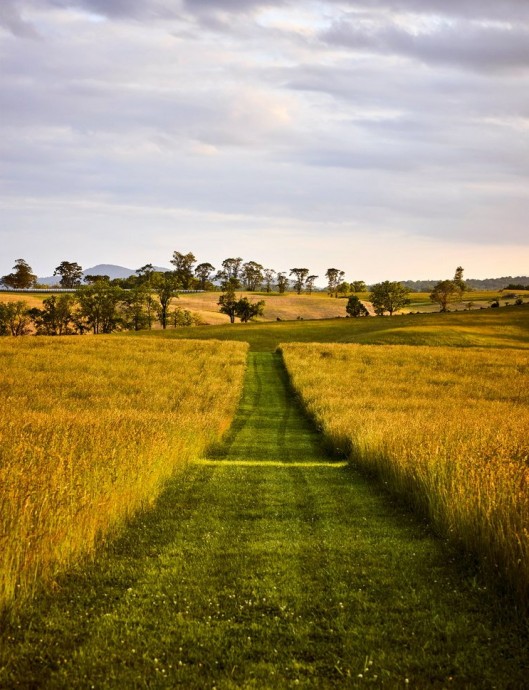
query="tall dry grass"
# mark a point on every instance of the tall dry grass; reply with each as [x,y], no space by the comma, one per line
[445,427]
[89,430]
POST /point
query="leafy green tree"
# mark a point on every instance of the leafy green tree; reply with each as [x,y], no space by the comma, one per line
[300,278]
[99,306]
[22,277]
[90,279]
[355,307]
[444,292]
[230,273]
[232,267]
[334,278]
[182,317]
[183,264]
[343,289]
[14,318]
[252,275]
[71,274]
[228,302]
[268,278]
[358,286]
[203,273]
[282,283]
[247,310]
[459,282]
[165,285]
[447,291]
[145,274]
[388,296]
[134,306]
[56,316]
[309,283]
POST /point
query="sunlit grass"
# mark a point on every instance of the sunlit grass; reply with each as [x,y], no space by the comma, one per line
[445,427]
[505,327]
[89,430]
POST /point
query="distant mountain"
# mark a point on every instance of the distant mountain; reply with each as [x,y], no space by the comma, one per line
[110,270]
[474,283]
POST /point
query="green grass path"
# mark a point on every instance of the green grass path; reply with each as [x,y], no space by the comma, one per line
[268,565]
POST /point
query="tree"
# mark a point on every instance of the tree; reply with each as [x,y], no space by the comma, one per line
[203,273]
[446,291]
[90,279]
[282,283]
[388,297]
[309,283]
[14,318]
[247,310]
[459,282]
[145,274]
[252,275]
[55,317]
[301,276]
[334,278]
[343,289]
[22,277]
[355,307]
[228,302]
[98,305]
[183,264]
[358,286]
[182,317]
[165,287]
[232,267]
[135,312]
[268,274]
[70,272]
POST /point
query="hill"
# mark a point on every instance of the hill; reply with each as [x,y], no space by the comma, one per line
[110,270]
[474,283]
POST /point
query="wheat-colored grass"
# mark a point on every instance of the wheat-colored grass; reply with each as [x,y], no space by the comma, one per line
[89,430]
[445,427]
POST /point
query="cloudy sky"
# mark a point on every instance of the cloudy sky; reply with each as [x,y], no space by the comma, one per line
[387,138]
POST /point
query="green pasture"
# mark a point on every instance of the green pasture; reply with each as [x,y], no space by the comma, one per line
[507,327]
[269,564]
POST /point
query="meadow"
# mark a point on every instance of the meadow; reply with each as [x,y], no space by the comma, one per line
[445,428]
[268,564]
[90,429]
[504,328]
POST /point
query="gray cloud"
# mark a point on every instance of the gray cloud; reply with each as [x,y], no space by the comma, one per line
[507,10]
[256,117]
[461,44]
[12,21]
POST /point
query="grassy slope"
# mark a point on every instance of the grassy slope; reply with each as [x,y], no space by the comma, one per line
[505,327]
[268,576]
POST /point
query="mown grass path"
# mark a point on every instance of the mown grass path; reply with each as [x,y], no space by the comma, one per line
[268,565]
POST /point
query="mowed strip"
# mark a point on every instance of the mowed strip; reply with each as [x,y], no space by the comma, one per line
[254,576]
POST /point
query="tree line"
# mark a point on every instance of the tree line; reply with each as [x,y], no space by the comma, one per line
[190,275]
[103,305]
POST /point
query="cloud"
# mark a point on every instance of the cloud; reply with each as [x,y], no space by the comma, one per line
[507,10]
[461,44]
[317,125]
[11,20]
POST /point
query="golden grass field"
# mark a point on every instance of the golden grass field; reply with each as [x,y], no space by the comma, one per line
[89,430]
[290,306]
[445,427]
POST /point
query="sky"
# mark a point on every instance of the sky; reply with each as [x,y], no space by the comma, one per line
[385,138]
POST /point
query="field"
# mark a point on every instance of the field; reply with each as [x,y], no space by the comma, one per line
[274,555]
[89,431]
[269,564]
[293,307]
[445,428]
[503,328]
